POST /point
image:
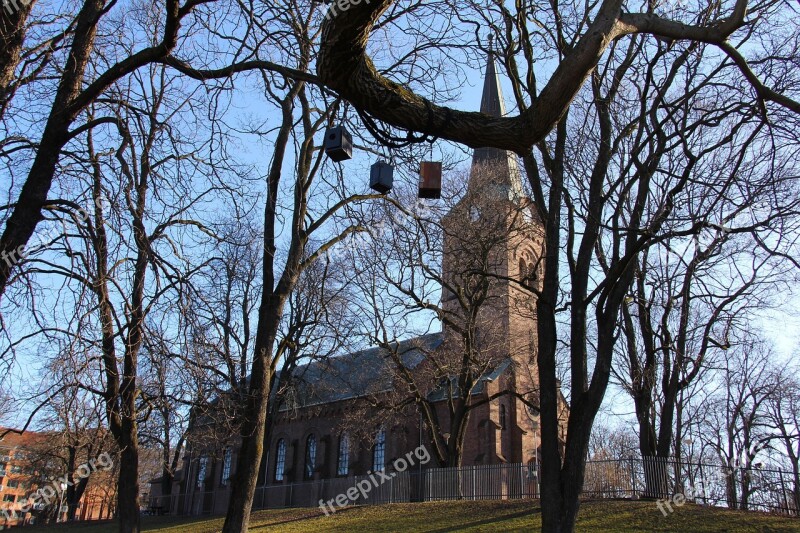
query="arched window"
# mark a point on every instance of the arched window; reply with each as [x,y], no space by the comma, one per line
[502,416]
[311,456]
[227,459]
[379,454]
[343,466]
[202,471]
[280,460]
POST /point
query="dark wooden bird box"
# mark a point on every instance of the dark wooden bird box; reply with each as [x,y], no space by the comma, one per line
[381,177]
[338,144]
[430,179]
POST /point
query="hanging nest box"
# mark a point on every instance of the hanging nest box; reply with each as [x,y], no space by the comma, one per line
[338,144]
[430,179]
[381,177]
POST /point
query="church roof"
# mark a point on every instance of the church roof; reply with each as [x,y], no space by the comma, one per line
[480,385]
[355,374]
[365,372]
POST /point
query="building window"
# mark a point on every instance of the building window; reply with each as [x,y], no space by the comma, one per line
[379,454]
[9,498]
[502,416]
[311,456]
[280,460]
[202,471]
[227,458]
[13,483]
[343,467]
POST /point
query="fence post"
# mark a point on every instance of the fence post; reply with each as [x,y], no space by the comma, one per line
[703,484]
[783,490]
[633,476]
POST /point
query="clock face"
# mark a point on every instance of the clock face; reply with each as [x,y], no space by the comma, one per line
[474,213]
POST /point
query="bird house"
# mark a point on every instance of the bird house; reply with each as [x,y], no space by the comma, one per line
[381,176]
[430,179]
[338,144]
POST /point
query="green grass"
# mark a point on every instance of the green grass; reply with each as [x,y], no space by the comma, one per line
[487,516]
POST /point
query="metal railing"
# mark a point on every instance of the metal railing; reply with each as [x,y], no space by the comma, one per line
[634,477]
[734,486]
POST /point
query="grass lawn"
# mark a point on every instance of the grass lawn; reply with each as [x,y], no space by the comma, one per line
[487,516]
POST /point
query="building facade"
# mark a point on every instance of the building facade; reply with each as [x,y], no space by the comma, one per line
[31,460]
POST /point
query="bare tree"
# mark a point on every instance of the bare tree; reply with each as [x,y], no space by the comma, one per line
[635,136]
[313,198]
[737,429]
[691,293]
[119,257]
[608,193]
[83,78]
[75,438]
[169,390]
[783,412]
[578,38]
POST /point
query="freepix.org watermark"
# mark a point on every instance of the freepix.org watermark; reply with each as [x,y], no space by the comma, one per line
[361,240]
[700,491]
[43,239]
[53,489]
[363,487]
[343,5]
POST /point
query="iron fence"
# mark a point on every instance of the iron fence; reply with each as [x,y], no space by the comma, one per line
[653,478]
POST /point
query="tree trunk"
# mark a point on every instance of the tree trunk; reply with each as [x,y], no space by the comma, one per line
[553,511]
[12,36]
[128,488]
[74,491]
[253,429]
[560,506]
[74,495]
[166,481]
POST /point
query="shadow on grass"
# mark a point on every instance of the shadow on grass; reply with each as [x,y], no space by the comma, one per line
[495,520]
[300,519]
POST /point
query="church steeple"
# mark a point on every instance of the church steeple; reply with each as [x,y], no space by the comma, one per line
[501,164]
[492,99]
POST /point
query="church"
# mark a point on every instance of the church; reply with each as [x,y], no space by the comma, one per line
[333,423]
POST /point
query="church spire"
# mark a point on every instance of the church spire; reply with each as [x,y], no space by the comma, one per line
[492,99]
[504,170]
